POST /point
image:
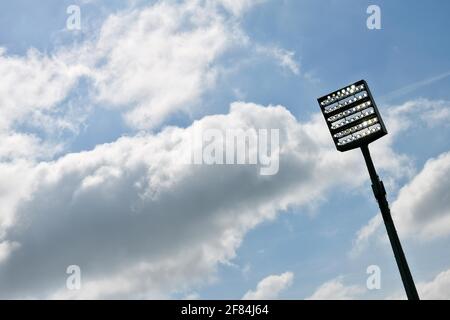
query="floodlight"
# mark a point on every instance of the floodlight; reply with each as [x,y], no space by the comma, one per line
[352,116]
[354,122]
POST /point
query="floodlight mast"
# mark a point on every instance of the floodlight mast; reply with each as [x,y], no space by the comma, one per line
[380,194]
[354,122]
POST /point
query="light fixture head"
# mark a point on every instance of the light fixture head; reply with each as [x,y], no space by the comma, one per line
[352,116]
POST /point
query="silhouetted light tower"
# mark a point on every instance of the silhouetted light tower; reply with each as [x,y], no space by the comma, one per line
[354,121]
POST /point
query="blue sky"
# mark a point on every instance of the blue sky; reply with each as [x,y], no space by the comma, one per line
[405,63]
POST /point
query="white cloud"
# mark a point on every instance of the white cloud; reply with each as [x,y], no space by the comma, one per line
[270,287]
[437,289]
[32,87]
[16,145]
[238,7]
[429,112]
[6,248]
[129,210]
[364,235]
[33,83]
[422,207]
[285,58]
[337,290]
[160,60]
[148,62]
[15,185]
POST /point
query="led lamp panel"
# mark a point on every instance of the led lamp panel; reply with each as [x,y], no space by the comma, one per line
[352,116]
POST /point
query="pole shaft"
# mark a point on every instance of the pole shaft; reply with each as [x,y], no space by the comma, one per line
[380,194]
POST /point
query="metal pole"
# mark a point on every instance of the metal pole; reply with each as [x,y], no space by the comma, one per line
[380,194]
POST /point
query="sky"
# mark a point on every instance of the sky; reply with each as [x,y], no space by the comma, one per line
[94,120]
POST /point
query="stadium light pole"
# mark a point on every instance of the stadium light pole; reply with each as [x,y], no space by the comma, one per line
[354,122]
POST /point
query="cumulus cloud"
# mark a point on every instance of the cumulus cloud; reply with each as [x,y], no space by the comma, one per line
[422,207]
[270,287]
[31,89]
[138,221]
[160,59]
[148,63]
[337,290]
[430,112]
[130,210]
[437,289]
[33,83]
